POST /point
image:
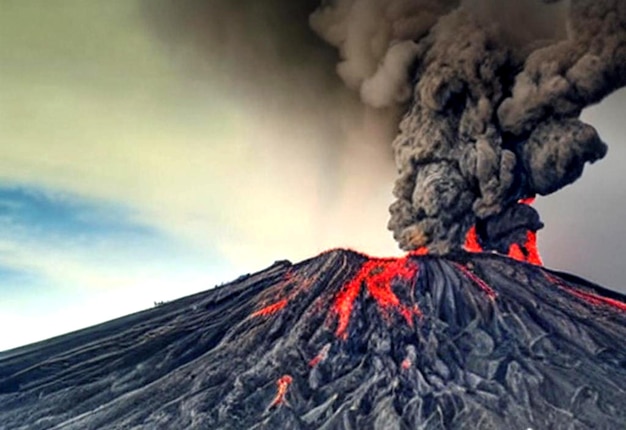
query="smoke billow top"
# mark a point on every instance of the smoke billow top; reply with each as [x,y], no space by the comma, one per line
[492,92]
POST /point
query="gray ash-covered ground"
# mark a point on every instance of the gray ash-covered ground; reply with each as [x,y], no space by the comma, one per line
[341,341]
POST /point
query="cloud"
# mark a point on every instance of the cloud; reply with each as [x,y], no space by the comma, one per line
[66,263]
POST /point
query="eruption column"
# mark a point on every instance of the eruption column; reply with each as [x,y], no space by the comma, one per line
[491,92]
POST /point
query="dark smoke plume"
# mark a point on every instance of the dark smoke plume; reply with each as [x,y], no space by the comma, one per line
[494,90]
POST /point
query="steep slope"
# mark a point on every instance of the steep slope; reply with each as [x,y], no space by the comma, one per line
[341,341]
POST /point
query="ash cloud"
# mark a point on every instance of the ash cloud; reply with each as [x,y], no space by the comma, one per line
[492,93]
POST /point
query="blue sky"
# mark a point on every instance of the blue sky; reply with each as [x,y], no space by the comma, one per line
[135,167]
[67,261]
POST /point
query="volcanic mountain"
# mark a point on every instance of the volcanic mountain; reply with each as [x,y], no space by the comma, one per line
[342,341]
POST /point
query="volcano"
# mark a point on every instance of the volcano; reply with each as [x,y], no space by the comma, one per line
[342,341]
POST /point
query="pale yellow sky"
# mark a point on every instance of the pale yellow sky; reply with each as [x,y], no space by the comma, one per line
[95,104]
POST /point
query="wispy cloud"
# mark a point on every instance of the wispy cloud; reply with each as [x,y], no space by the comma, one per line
[67,262]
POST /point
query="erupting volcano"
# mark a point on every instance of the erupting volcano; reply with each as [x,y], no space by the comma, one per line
[342,341]
[467,331]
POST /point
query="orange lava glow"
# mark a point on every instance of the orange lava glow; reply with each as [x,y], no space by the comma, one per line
[376,275]
[271,309]
[420,251]
[531,247]
[283,384]
[471,241]
[321,356]
[527,201]
[590,298]
[476,280]
[315,360]
[528,252]
[516,253]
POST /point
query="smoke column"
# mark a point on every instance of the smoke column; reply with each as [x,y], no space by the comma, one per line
[492,92]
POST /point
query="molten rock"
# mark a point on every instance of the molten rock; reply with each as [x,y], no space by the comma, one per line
[341,341]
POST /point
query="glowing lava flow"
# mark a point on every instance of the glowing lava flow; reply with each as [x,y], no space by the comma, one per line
[291,286]
[271,309]
[471,241]
[321,356]
[476,280]
[590,298]
[528,252]
[376,276]
[283,384]
[531,247]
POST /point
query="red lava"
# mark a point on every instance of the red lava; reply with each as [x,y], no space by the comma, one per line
[376,276]
[471,241]
[527,252]
[590,298]
[271,309]
[476,280]
[283,384]
[321,356]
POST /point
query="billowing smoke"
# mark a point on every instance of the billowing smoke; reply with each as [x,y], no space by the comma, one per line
[492,92]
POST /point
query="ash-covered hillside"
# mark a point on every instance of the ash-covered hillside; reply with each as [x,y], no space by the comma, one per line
[341,341]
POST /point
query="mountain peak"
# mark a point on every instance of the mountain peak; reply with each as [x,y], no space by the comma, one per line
[342,340]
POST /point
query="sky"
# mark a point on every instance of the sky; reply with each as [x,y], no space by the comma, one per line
[153,149]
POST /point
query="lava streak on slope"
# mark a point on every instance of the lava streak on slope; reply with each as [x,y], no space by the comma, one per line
[591,298]
[376,277]
[282,386]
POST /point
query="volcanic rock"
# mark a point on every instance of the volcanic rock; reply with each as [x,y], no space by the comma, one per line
[341,341]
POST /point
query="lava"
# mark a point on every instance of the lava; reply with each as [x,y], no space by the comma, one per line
[377,276]
[590,298]
[531,247]
[527,201]
[516,253]
[420,251]
[476,280]
[528,252]
[290,287]
[271,309]
[471,241]
[283,384]
[321,356]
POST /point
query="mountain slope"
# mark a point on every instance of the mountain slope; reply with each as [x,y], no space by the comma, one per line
[341,341]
